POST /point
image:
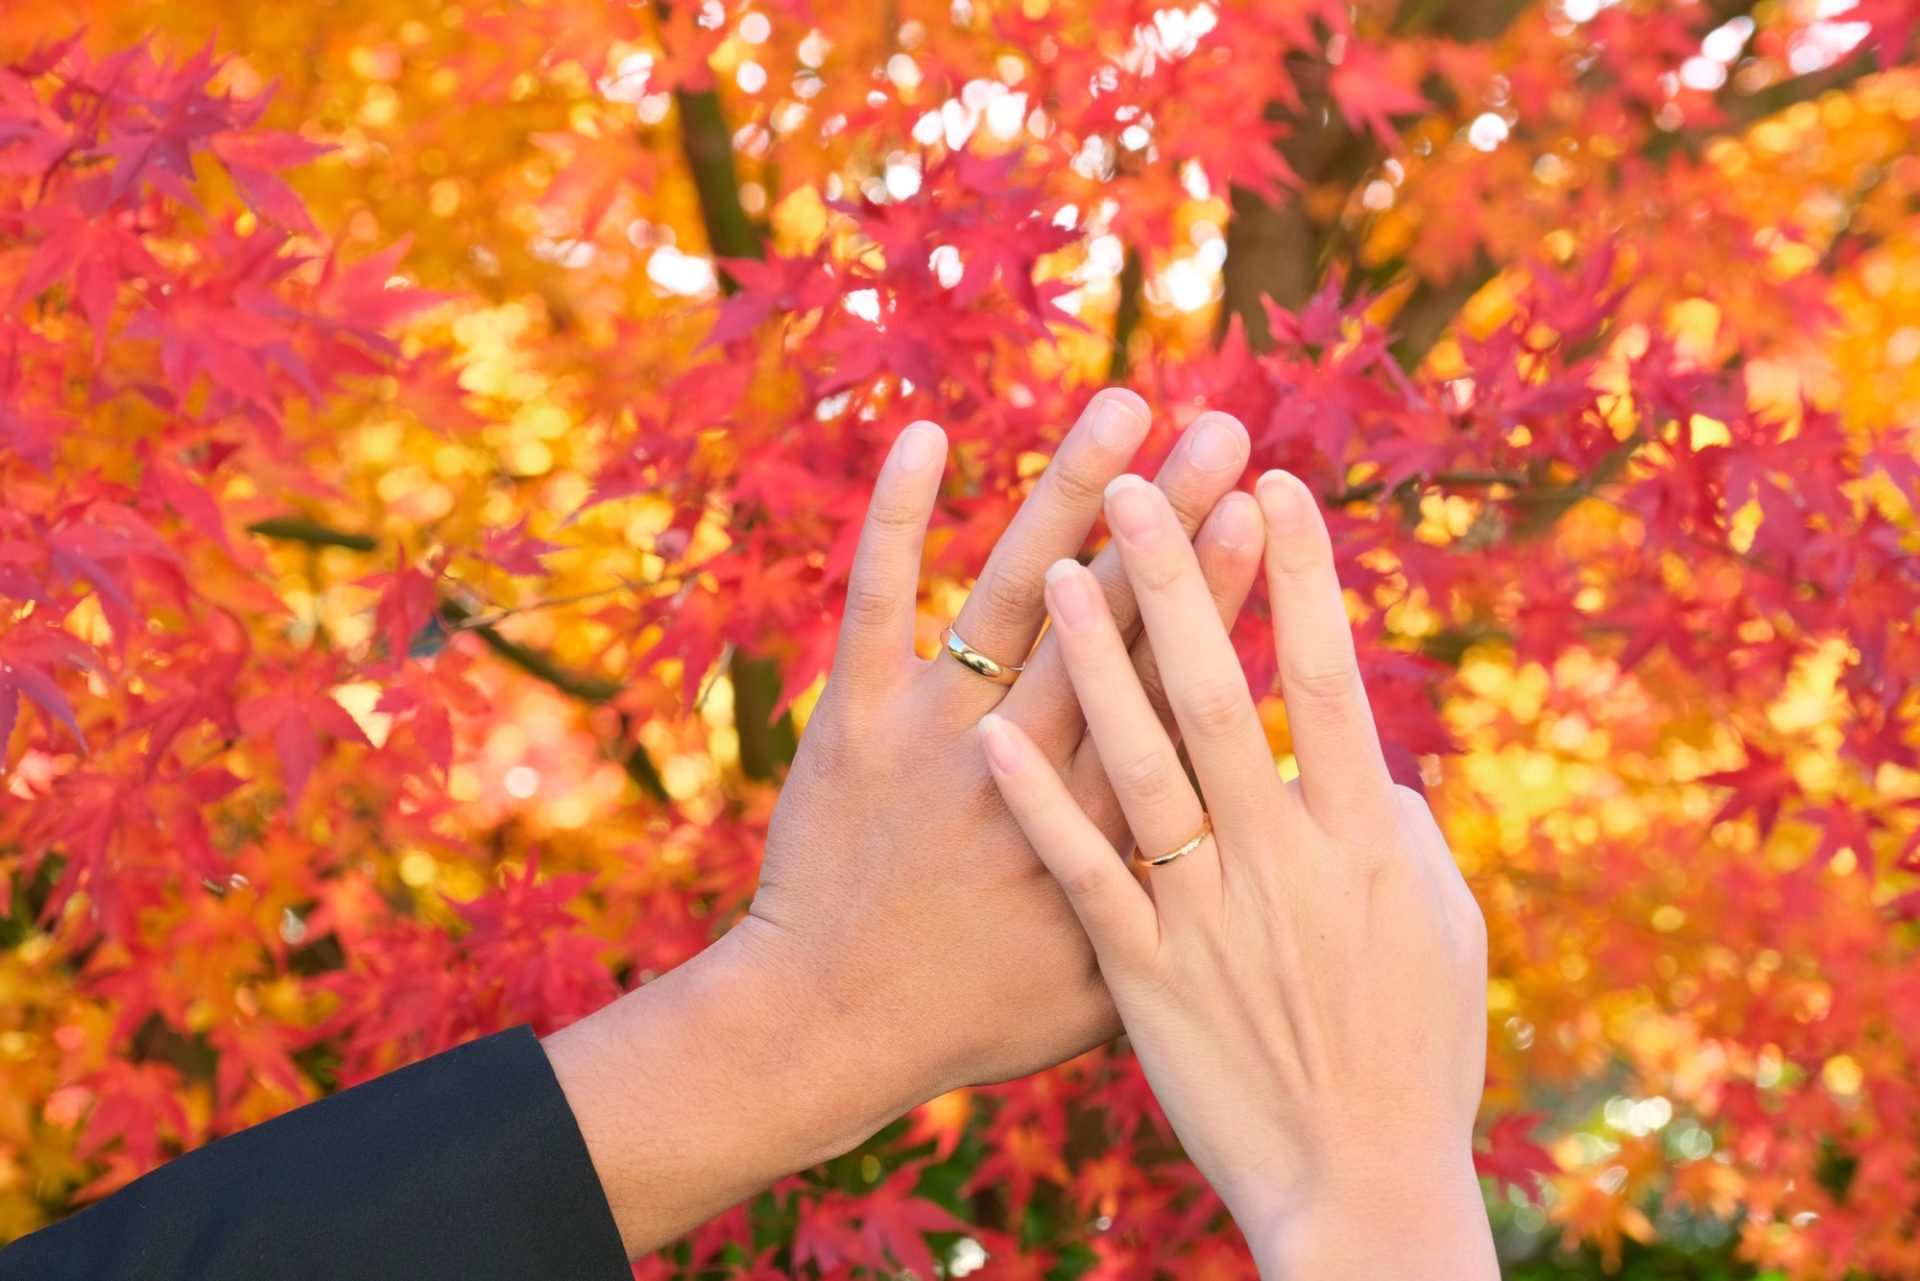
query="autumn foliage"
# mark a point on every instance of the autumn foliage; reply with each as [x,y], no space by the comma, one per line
[432,439]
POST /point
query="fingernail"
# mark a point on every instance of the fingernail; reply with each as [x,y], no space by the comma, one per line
[1070,594]
[1002,752]
[918,446]
[1283,498]
[1117,420]
[1131,509]
[1234,524]
[1218,443]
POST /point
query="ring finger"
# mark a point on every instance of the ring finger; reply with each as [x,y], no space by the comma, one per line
[1002,614]
[1162,810]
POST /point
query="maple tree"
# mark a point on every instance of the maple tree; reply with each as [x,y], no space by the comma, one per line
[432,438]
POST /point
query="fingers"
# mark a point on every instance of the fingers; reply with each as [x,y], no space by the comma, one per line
[1113,908]
[1207,467]
[1204,683]
[1203,467]
[883,587]
[1160,806]
[1228,548]
[1343,774]
[1003,612]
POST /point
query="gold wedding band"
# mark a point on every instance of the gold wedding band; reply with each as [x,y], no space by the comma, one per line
[976,662]
[1185,848]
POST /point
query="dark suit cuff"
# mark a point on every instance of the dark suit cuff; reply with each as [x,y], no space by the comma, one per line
[467,1165]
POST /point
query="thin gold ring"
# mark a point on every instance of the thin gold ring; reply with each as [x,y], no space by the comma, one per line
[1182,850]
[976,662]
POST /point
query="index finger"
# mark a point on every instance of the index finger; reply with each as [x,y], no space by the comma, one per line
[883,587]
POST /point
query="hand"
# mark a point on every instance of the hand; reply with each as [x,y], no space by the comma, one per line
[1306,989]
[904,939]
[893,877]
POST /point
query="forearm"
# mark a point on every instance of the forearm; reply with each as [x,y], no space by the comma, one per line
[714,1081]
[1402,1228]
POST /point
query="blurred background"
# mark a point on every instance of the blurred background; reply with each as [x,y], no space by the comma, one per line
[432,437]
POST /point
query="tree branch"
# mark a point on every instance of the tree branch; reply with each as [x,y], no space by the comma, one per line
[1280,251]
[1126,317]
[299,529]
[1431,307]
[708,146]
[584,686]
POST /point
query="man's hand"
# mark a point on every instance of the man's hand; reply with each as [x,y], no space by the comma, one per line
[905,939]
[894,875]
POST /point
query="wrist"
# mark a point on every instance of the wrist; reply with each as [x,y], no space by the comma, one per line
[845,1066]
[1422,1219]
[716,1080]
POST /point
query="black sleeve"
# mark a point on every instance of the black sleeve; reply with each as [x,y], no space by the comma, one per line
[467,1166]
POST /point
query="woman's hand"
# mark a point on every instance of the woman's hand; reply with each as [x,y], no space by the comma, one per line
[904,939]
[1306,988]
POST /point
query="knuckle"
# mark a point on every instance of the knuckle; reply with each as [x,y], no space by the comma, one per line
[895,519]
[1074,483]
[1469,927]
[1376,856]
[1323,686]
[868,603]
[1475,921]
[829,748]
[1010,600]
[1409,801]
[1146,778]
[1299,565]
[1214,708]
[1388,831]
[1375,838]
[1307,561]
[1154,571]
[1086,880]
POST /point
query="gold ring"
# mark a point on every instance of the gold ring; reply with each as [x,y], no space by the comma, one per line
[1185,848]
[976,662]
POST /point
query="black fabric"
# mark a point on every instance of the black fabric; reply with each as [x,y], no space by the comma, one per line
[467,1166]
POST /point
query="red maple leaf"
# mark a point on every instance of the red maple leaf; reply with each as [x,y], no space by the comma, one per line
[1508,1154]
[254,159]
[28,655]
[297,713]
[1370,89]
[1760,787]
